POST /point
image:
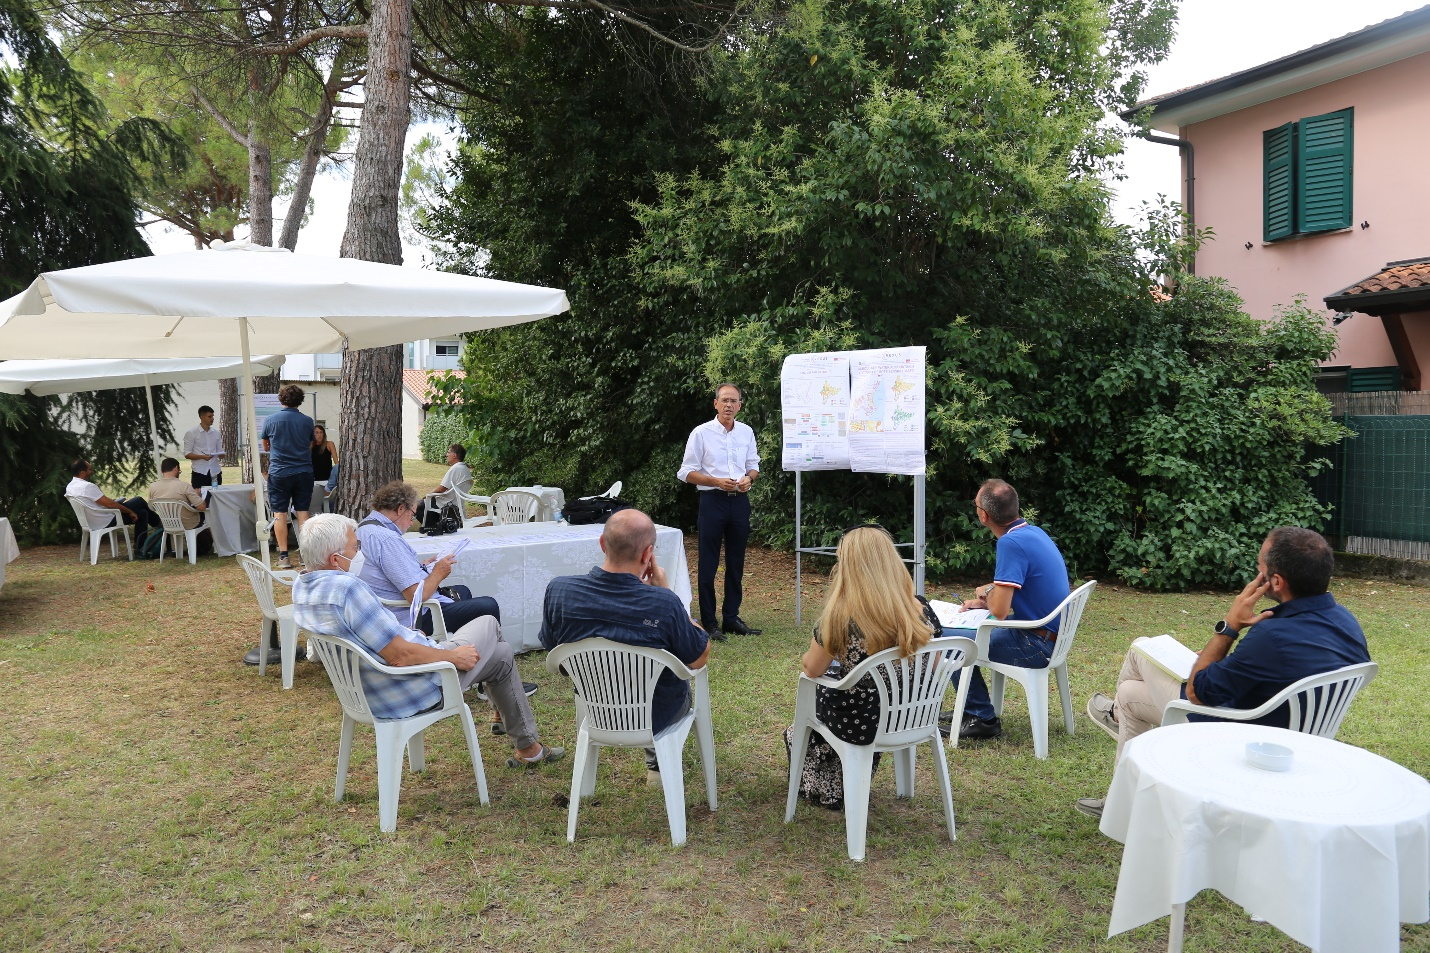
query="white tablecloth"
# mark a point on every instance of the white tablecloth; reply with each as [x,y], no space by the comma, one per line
[1334,852]
[231,514]
[9,550]
[514,563]
[553,501]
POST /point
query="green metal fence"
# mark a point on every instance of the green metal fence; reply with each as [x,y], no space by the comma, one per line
[1379,485]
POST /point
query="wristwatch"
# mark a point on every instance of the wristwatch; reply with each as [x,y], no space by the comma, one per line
[1221,628]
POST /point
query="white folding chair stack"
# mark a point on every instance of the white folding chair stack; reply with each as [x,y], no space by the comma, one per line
[911,692]
[1034,680]
[171,514]
[93,536]
[1318,703]
[262,579]
[615,696]
[344,663]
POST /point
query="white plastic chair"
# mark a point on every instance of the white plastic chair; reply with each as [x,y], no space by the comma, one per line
[343,662]
[615,490]
[93,536]
[514,506]
[439,624]
[615,695]
[481,519]
[1318,702]
[171,514]
[911,694]
[1033,680]
[262,578]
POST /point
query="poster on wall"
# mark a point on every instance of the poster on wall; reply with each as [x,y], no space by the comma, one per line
[854,410]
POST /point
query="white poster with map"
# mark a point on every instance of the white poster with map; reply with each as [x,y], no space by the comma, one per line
[814,398]
[854,410]
[886,413]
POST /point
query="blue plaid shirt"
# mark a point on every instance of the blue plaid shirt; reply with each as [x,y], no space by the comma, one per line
[333,603]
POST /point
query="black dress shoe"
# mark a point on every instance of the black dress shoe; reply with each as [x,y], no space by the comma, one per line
[975,727]
[737,626]
[275,657]
[713,630]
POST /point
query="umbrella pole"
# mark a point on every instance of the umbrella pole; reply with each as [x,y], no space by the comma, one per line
[260,526]
[153,427]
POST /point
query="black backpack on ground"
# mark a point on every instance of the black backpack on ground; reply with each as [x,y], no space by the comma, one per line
[593,509]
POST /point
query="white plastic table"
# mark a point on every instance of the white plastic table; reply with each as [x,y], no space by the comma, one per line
[553,501]
[514,563]
[231,514]
[9,550]
[1334,852]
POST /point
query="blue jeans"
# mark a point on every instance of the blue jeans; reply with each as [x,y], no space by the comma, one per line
[1011,647]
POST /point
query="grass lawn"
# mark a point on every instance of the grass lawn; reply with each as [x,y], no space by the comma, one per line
[161,796]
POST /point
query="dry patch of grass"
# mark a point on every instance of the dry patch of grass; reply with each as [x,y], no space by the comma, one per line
[159,795]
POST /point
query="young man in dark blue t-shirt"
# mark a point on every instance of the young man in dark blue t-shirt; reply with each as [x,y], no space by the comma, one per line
[627,599]
[1030,580]
[288,439]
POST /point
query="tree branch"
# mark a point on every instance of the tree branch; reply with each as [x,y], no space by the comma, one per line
[357,32]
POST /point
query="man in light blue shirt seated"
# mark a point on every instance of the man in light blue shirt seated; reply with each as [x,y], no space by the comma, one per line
[331,601]
[1030,580]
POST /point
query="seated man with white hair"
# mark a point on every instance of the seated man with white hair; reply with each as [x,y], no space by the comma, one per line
[331,600]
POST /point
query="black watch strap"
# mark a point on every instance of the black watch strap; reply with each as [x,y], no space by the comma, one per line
[1221,628]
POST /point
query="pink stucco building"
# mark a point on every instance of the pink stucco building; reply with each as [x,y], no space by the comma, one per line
[1314,172]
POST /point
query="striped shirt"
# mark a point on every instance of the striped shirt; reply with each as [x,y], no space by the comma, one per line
[333,603]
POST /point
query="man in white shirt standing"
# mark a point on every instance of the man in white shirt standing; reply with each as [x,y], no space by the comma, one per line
[722,461]
[204,447]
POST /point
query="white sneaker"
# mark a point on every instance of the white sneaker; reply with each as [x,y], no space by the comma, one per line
[1091,806]
[1099,709]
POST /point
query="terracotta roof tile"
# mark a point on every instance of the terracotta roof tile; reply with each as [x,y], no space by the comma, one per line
[419,383]
[1396,276]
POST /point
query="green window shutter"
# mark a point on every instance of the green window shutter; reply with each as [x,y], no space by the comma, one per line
[1323,171]
[1277,151]
[1360,380]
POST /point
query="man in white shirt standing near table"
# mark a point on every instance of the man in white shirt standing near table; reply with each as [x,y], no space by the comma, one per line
[203,446]
[722,461]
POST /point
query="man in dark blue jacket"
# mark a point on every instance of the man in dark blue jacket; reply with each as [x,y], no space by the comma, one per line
[1308,633]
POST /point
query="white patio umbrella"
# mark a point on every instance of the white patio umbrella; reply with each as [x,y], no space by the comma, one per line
[67,377]
[249,297]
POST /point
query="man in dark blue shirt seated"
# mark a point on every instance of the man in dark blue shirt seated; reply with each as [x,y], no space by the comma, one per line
[1306,634]
[627,599]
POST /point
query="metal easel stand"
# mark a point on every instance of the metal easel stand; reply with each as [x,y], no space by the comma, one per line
[917,561]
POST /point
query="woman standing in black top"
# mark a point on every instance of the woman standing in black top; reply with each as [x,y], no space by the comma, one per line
[325,454]
[871,607]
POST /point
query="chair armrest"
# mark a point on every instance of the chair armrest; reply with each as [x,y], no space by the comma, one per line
[286,576]
[1178,709]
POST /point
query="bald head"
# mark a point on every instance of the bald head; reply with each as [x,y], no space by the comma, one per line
[626,536]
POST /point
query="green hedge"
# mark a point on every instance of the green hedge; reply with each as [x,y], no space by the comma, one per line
[439,432]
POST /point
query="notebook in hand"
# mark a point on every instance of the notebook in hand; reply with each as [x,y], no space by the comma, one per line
[1165,652]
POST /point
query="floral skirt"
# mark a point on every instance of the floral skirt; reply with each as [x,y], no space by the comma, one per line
[822,781]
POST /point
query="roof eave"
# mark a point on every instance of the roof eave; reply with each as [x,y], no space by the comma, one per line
[1380,45]
[1380,303]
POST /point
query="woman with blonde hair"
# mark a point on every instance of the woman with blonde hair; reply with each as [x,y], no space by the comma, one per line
[871,607]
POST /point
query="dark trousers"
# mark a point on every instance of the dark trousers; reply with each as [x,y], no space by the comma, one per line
[459,613]
[144,518]
[200,480]
[724,519]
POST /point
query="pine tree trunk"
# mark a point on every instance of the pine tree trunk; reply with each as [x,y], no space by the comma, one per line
[372,379]
[260,189]
[228,412]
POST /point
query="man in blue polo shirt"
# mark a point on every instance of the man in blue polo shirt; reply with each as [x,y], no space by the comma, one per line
[287,439]
[1030,580]
[1306,634]
[627,599]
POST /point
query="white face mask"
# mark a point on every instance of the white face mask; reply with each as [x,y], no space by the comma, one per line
[355,566]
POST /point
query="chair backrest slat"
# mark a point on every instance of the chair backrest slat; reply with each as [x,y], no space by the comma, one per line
[171,514]
[262,581]
[1319,704]
[1068,621]
[615,684]
[911,690]
[515,506]
[343,663]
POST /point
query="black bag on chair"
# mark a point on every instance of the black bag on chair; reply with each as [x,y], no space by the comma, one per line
[443,522]
[593,509]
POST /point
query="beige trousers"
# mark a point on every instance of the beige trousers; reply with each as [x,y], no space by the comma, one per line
[496,666]
[1143,691]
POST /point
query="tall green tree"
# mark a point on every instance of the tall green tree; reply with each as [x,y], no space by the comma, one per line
[68,197]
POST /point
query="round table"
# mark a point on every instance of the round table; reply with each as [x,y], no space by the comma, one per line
[1334,852]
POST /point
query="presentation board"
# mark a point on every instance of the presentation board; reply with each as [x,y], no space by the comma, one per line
[854,410]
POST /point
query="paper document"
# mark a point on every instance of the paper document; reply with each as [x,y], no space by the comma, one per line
[814,403]
[1168,654]
[416,608]
[466,541]
[953,617]
[886,415]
